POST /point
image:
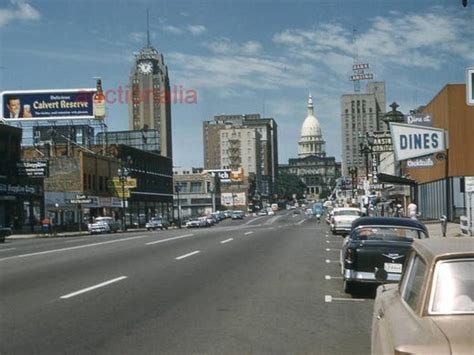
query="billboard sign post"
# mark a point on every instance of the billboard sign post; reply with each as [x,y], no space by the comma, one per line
[470,86]
[36,105]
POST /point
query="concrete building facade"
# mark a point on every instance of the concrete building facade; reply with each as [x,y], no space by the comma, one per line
[360,113]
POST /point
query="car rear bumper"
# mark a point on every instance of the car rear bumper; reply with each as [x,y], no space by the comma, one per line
[363,276]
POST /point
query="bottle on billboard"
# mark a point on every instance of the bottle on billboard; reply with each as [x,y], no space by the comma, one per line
[99,101]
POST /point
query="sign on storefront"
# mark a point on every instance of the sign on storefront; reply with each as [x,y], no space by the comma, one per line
[411,141]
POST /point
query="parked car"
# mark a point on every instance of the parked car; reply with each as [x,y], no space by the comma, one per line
[262,213]
[157,223]
[4,232]
[238,215]
[342,218]
[431,311]
[196,223]
[377,242]
[103,225]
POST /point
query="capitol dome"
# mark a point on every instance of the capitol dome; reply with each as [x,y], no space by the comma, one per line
[311,142]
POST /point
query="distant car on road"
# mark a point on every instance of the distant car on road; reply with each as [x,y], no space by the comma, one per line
[377,243]
[157,223]
[103,225]
[431,311]
[342,218]
[196,223]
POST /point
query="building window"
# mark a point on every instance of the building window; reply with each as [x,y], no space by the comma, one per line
[196,186]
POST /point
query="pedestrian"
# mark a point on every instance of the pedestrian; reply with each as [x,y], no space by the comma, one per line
[412,210]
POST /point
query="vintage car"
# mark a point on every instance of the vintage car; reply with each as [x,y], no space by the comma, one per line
[377,242]
[4,232]
[157,223]
[342,218]
[431,310]
[103,225]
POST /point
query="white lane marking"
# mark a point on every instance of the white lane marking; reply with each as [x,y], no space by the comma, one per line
[329,298]
[227,240]
[327,277]
[188,254]
[74,241]
[77,247]
[301,222]
[248,233]
[255,219]
[272,220]
[331,261]
[93,287]
[172,238]
[7,249]
[329,249]
[294,216]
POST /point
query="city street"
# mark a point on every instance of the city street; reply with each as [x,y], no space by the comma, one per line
[268,284]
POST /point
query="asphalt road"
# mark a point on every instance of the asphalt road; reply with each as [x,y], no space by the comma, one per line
[265,285]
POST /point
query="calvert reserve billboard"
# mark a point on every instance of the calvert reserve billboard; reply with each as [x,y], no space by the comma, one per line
[47,104]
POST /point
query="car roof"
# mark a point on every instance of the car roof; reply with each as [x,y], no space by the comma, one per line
[440,248]
[388,221]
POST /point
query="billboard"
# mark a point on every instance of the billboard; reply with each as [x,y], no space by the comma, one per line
[470,86]
[47,104]
[411,141]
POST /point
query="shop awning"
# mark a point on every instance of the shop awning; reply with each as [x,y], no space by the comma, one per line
[396,180]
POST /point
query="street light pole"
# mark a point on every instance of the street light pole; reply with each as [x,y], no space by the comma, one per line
[178,189]
[123,173]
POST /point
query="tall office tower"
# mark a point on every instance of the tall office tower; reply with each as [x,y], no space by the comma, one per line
[149,101]
[360,113]
[267,130]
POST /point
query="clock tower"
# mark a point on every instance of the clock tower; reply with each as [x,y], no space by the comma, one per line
[149,105]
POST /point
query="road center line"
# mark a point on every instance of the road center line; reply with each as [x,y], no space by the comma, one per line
[329,249]
[248,233]
[186,255]
[327,277]
[76,247]
[301,222]
[331,261]
[93,287]
[227,240]
[172,238]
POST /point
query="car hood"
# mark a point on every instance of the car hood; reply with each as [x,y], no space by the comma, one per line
[459,331]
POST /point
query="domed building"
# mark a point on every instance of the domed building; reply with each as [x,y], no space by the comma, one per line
[317,171]
[311,142]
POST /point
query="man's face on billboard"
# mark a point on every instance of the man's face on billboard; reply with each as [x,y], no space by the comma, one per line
[14,105]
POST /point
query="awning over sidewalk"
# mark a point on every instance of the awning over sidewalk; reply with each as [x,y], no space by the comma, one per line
[396,180]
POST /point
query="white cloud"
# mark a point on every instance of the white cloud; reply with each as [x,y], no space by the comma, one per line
[137,37]
[423,41]
[172,29]
[226,46]
[197,30]
[20,10]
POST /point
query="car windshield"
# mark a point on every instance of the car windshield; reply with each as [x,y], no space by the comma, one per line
[347,213]
[453,287]
[387,233]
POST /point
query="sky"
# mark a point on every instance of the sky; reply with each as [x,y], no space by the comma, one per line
[241,56]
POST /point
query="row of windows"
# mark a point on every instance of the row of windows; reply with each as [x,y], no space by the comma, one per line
[95,183]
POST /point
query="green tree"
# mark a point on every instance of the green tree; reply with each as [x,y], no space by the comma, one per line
[289,184]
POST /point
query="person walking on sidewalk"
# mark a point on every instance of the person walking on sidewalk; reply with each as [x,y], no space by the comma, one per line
[412,210]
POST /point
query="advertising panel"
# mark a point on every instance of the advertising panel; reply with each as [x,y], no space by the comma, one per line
[233,199]
[411,141]
[426,120]
[47,104]
[33,168]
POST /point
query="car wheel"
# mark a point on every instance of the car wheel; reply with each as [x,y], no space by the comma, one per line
[349,287]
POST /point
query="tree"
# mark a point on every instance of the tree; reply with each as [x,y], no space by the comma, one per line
[290,184]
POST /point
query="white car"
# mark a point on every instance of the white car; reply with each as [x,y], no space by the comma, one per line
[103,225]
[342,217]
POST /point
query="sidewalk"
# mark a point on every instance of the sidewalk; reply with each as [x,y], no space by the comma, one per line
[62,234]
[434,229]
